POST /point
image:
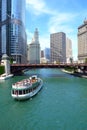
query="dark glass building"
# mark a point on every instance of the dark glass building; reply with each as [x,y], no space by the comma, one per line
[12,30]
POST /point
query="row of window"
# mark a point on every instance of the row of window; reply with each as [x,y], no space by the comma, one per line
[21,92]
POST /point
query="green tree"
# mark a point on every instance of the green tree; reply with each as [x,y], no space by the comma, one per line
[11,60]
[2,69]
[71,60]
[85,60]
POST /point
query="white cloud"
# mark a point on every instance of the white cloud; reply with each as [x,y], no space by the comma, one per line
[37,7]
[61,22]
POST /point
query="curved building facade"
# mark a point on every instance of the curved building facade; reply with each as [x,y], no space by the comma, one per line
[12,30]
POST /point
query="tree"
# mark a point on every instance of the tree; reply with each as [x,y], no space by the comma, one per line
[71,60]
[85,60]
[11,60]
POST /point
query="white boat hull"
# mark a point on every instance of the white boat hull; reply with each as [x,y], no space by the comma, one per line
[28,95]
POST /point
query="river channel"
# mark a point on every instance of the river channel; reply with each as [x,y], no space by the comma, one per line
[60,105]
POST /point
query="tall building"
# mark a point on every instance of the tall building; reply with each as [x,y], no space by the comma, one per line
[12,30]
[58,47]
[82,42]
[47,53]
[34,49]
[69,56]
[42,53]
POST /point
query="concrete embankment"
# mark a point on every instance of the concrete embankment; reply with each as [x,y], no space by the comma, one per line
[69,72]
[75,73]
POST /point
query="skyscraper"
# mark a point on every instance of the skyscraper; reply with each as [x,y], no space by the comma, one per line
[34,49]
[58,47]
[82,42]
[12,30]
[69,56]
[47,53]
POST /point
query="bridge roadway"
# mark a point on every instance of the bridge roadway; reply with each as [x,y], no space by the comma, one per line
[15,68]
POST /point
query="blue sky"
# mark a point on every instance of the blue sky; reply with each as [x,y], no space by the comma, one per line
[51,16]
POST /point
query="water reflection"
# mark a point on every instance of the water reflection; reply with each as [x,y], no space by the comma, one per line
[47,73]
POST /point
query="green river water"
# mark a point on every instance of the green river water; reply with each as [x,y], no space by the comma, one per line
[60,105]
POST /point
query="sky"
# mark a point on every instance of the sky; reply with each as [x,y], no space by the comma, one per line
[52,16]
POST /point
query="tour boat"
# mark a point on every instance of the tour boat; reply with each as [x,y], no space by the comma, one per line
[26,88]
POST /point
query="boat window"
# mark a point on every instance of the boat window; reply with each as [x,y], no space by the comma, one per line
[16,92]
[27,91]
[30,90]
[34,88]
[13,91]
[24,92]
[20,92]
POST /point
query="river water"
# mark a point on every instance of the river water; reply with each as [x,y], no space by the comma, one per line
[60,105]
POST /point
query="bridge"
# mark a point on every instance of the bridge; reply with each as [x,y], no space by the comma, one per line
[16,68]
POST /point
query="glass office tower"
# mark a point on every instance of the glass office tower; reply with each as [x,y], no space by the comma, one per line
[12,30]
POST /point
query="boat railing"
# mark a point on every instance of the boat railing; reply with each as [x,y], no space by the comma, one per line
[26,82]
[22,83]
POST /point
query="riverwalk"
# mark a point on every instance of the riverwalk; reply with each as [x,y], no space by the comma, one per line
[82,75]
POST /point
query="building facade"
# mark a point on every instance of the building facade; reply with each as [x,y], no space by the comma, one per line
[69,56]
[47,53]
[58,47]
[42,54]
[82,42]
[12,30]
[34,49]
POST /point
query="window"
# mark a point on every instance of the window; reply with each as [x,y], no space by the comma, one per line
[3,39]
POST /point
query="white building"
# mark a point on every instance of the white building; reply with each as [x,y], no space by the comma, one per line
[69,56]
[82,42]
[5,61]
[34,49]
